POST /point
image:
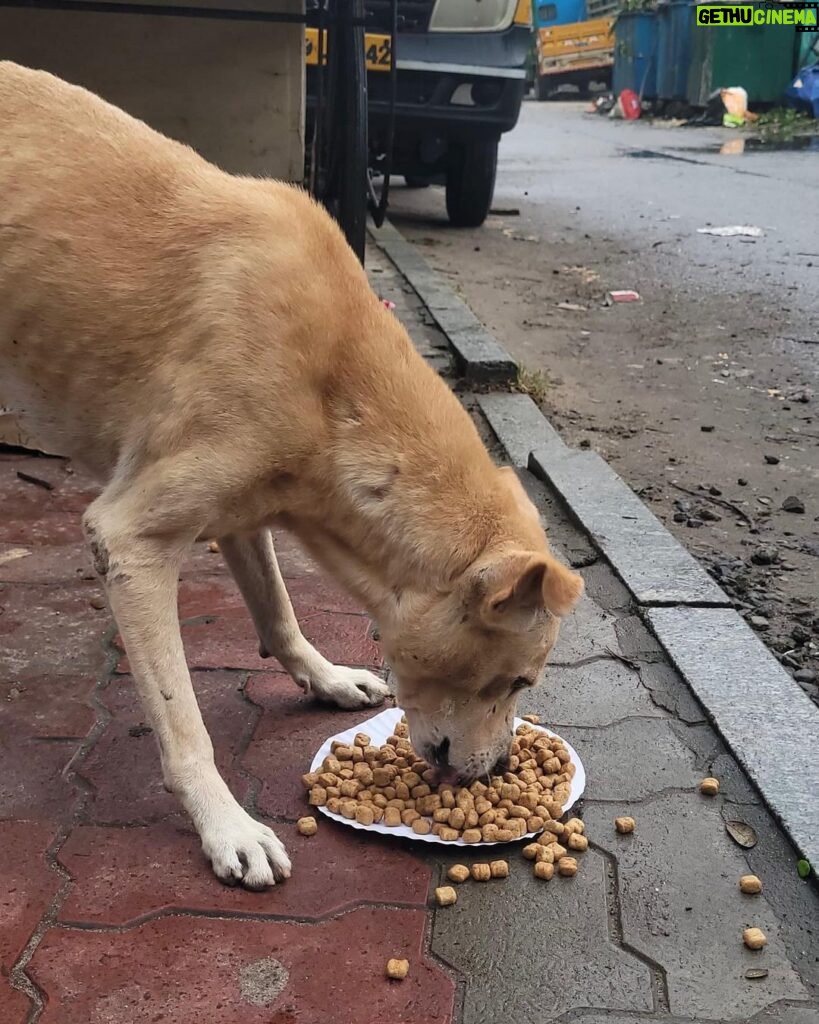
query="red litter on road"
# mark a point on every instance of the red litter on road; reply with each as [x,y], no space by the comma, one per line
[623,296]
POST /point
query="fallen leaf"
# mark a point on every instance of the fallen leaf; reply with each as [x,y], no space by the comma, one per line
[803,868]
[742,834]
[756,972]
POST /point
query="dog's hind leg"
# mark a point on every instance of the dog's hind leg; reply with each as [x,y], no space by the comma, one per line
[138,545]
[252,561]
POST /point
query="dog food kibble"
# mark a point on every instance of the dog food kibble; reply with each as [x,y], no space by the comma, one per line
[624,825]
[530,852]
[397,969]
[567,866]
[392,785]
[709,787]
[577,842]
[458,873]
[750,884]
[307,826]
[534,719]
[499,868]
[364,815]
[481,872]
[544,870]
[754,938]
[445,896]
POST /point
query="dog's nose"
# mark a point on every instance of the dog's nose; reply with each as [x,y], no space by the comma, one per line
[439,754]
[501,766]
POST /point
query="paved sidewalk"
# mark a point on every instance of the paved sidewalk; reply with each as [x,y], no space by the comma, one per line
[109,915]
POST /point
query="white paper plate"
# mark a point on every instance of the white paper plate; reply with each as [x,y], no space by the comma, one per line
[382,726]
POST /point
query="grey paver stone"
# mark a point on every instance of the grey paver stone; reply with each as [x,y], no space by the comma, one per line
[687,913]
[654,566]
[551,950]
[770,724]
[596,694]
[587,633]
[519,425]
[633,759]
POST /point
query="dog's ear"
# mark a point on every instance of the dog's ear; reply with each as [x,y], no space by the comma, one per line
[522,584]
[562,588]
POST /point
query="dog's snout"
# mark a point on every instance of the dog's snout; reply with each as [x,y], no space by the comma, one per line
[501,766]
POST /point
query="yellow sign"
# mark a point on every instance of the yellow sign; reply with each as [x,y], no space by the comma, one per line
[377,50]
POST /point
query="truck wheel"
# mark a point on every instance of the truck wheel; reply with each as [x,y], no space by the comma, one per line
[544,87]
[470,181]
[412,182]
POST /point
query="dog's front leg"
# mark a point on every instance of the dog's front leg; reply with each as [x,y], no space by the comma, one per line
[139,565]
[252,561]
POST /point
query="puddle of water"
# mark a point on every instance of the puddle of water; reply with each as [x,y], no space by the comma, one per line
[737,146]
[741,145]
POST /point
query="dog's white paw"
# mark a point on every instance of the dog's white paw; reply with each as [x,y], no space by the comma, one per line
[349,688]
[243,851]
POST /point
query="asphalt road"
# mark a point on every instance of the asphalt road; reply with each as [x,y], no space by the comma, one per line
[709,383]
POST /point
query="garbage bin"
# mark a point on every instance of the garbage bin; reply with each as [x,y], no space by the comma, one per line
[675,33]
[757,57]
[635,53]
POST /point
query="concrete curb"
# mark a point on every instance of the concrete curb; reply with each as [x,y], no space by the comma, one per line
[768,722]
[480,358]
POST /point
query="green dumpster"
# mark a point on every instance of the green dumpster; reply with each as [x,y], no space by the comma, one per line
[757,57]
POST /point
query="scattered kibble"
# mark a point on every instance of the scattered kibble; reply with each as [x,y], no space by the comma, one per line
[577,842]
[445,896]
[567,866]
[750,884]
[458,873]
[397,969]
[307,826]
[213,547]
[709,787]
[499,868]
[534,719]
[544,870]
[530,852]
[624,825]
[754,938]
[481,872]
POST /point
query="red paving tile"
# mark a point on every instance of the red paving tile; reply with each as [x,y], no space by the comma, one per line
[14,1006]
[53,563]
[34,516]
[28,887]
[226,639]
[290,731]
[40,730]
[123,766]
[51,630]
[123,874]
[195,971]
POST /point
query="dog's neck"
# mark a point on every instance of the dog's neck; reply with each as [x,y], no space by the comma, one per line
[404,495]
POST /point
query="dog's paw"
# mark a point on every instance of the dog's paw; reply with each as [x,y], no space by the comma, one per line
[349,688]
[243,851]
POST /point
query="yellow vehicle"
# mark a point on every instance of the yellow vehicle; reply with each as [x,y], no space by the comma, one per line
[571,46]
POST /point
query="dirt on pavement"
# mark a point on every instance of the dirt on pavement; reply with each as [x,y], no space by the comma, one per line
[697,397]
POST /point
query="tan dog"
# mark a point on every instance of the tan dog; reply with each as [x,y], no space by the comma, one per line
[210,347]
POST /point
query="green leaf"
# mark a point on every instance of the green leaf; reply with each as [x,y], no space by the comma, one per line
[803,868]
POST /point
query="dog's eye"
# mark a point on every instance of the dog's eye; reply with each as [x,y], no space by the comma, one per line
[520,683]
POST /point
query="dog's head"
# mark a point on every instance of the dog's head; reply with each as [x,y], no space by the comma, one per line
[462,656]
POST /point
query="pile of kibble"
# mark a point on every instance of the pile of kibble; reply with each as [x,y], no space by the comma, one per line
[391,784]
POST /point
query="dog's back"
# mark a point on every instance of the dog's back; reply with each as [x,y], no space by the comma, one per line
[123,254]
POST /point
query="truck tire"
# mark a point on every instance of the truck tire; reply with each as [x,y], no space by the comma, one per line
[470,181]
[412,182]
